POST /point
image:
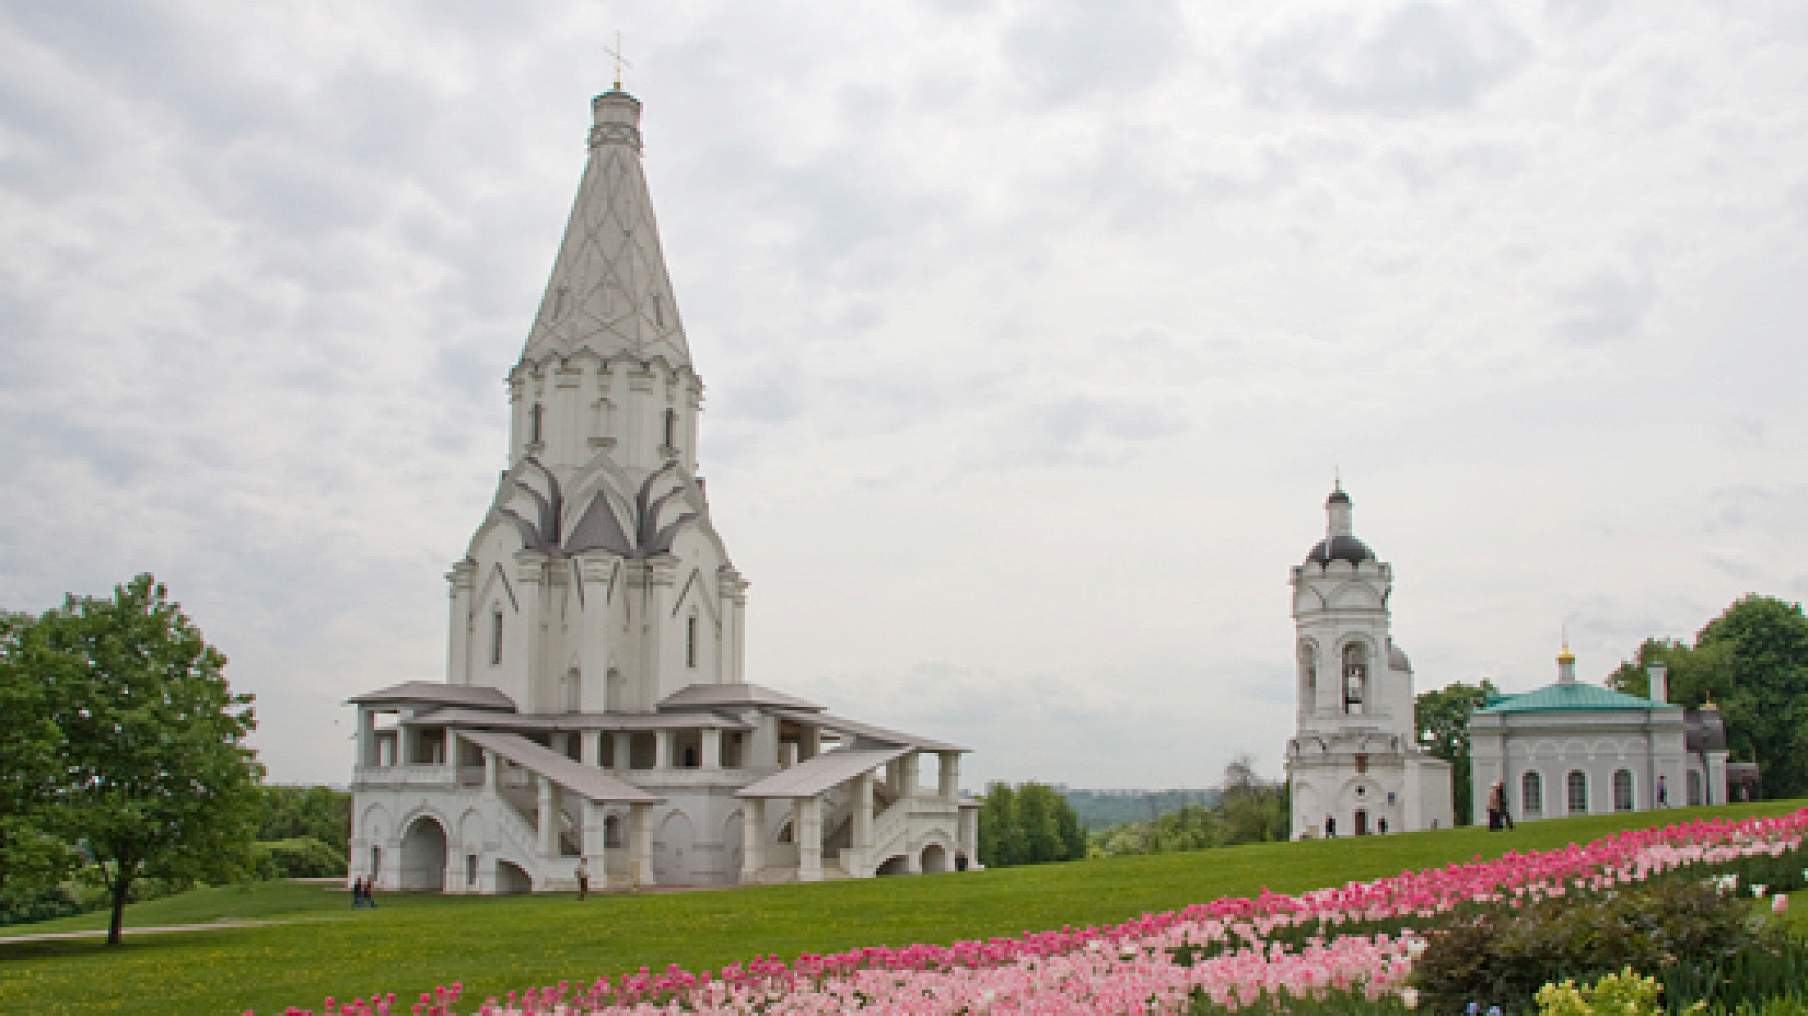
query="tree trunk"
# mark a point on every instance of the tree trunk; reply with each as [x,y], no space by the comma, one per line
[120,888]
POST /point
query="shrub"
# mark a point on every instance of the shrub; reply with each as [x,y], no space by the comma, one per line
[1621,994]
[297,857]
[1505,955]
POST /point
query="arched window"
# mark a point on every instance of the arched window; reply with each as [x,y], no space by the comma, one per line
[671,428]
[1308,666]
[690,641]
[1355,677]
[496,637]
[1531,795]
[1578,792]
[1622,790]
[535,417]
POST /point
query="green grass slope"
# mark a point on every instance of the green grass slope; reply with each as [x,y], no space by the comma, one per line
[497,944]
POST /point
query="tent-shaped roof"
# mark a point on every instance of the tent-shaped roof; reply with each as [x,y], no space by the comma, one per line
[437,693]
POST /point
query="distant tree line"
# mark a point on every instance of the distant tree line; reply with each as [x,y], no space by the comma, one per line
[1027,824]
[1248,809]
[1100,809]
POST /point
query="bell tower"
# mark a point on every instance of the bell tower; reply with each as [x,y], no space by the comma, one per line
[1349,757]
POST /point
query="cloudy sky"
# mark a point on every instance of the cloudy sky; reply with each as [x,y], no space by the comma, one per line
[1033,334]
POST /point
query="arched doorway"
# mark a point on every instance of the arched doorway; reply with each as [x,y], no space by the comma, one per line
[672,850]
[935,859]
[423,855]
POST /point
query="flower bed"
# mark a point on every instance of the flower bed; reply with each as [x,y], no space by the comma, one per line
[1232,952]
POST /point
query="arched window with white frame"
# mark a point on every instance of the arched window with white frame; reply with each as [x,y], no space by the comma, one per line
[1577,785]
[1622,790]
[1531,795]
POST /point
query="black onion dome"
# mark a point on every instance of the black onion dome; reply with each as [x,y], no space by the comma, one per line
[1340,548]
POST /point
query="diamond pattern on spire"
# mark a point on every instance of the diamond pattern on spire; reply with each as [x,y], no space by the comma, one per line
[609,291]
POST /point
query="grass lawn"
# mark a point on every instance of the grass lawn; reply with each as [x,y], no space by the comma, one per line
[497,944]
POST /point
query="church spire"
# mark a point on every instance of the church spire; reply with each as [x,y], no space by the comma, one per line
[609,292]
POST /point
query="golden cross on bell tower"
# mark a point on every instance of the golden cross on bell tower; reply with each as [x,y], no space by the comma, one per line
[619,61]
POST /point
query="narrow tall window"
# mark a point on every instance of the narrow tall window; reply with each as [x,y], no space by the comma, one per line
[558,302]
[659,310]
[1578,792]
[690,641]
[1531,795]
[671,428]
[1355,677]
[1308,663]
[533,423]
[495,638]
[1622,790]
[1362,763]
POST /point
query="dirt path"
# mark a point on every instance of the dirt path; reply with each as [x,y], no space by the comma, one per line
[51,936]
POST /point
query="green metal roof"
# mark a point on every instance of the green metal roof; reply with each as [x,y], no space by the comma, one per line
[1570,698]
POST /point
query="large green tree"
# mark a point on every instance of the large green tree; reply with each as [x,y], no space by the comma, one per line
[1441,724]
[32,858]
[155,778]
[1752,663]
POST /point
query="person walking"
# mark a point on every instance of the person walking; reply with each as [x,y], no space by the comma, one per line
[1330,826]
[1663,792]
[357,892]
[583,874]
[1494,808]
[1500,798]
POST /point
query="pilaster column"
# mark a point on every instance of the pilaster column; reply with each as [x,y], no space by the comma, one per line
[662,749]
[640,844]
[590,747]
[449,744]
[811,745]
[969,834]
[460,582]
[594,855]
[753,839]
[367,737]
[492,773]
[546,822]
[787,754]
[620,742]
[948,786]
[808,830]
[907,775]
[521,638]
[712,748]
[862,831]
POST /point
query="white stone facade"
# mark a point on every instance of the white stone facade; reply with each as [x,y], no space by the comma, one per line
[1353,765]
[1578,749]
[595,704]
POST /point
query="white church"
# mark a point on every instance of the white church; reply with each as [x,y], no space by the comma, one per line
[1353,763]
[595,706]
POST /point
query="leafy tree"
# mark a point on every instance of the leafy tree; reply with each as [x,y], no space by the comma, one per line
[998,836]
[322,813]
[1751,662]
[156,780]
[1765,641]
[32,860]
[1028,824]
[1248,810]
[1441,724]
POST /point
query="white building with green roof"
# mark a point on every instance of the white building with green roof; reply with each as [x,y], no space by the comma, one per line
[1572,748]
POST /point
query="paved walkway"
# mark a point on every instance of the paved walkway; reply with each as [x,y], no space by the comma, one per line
[52,936]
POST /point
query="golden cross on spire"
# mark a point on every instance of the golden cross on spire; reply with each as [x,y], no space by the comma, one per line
[619,61]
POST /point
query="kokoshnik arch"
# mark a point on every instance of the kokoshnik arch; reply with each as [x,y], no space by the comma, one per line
[595,705]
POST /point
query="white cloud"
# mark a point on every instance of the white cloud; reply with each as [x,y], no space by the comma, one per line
[1032,335]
